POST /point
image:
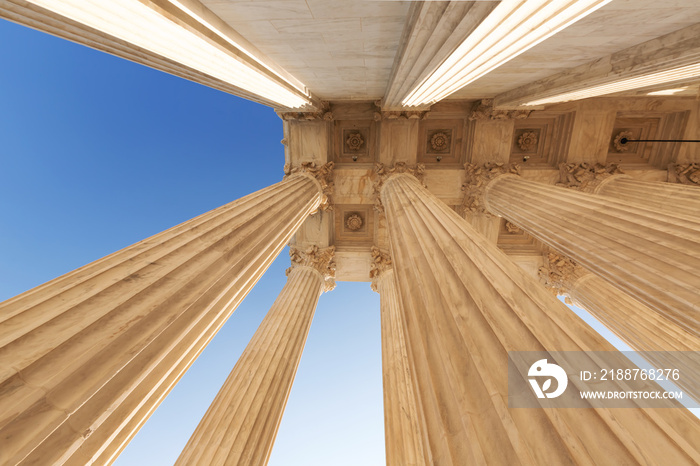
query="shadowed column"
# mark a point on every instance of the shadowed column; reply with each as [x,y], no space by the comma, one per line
[608,180]
[640,327]
[653,256]
[240,426]
[87,357]
[466,304]
[403,428]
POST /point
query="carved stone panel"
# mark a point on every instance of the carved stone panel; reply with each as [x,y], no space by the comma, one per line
[353,226]
[541,140]
[513,240]
[647,125]
[632,152]
[440,141]
[354,141]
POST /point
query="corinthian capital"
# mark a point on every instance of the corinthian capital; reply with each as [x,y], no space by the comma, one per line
[483,110]
[688,173]
[381,262]
[477,177]
[559,273]
[586,176]
[319,259]
[383,173]
[322,174]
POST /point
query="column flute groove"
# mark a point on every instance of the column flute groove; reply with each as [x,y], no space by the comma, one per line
[403,425]
[79,384]
[640,327]
[609,180]
[466,305]
[135,252]
[241,424]
[651,256]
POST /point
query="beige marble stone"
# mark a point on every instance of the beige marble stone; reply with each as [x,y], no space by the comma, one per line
[678,199]
[79,383]
[404,429]
[200,21]
[677,49]
[465,306]
[618,25]
[433,30]
[240,426]
[651,255]
[88,356]
[640,327]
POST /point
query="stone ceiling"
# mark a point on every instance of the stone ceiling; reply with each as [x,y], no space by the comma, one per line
[345,49]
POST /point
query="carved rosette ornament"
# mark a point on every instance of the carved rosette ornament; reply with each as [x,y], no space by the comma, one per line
[586,176]
[483,110]
[353,222]
[688,173]
[381,262]
[323,174]
[619,147]
[475,182]
[527,141]
[354,142]
[320,259]
[440,141]
[559,273]
[382,173]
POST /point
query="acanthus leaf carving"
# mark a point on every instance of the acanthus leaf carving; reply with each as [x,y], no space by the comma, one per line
[323,174]
[512,228]
[382,173]
[380,114]
[381,262]
[324,114]
[477,177]
[688,173]
[320,259]
[559,273]
[483,110]
[586,176]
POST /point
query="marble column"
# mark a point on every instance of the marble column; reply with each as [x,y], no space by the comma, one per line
[208,48]
[650,255]
[404,430]
[640,327]
[87,357]
[608,180]
[241,424]
[466,305]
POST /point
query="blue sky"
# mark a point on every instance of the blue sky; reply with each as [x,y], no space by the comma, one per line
[97,153]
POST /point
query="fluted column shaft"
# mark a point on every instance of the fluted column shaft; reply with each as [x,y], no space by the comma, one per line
[677,199]
[403,428]
[466,305]
[652,256]
[639,326]
[642,328]
[87,357]
[240,426]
